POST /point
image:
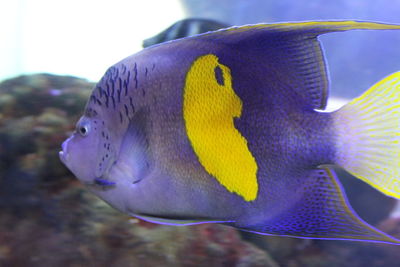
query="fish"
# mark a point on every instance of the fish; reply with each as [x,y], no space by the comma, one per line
[229,127]
[184,28]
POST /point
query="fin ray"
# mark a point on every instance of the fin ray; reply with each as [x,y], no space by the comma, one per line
[368,138]
[294,52]
[323,212]
[133,161]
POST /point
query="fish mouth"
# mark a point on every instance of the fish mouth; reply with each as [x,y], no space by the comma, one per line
[103,182]
[63,154]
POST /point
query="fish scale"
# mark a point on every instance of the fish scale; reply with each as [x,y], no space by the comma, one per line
[226,127]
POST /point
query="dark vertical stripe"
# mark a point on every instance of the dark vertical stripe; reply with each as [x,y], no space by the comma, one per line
[136,76]
[116,74]
[126,87]
[131,104]
[112,88]
[108,89]
[113,101]
[98,89]
[119,95]
[128,76]
[107,101]
[126,110]
[119,82]
[126,82]
[123,68]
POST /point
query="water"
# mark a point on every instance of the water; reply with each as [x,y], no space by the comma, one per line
[49,219]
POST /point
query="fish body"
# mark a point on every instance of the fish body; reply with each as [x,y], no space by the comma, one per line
[225,127]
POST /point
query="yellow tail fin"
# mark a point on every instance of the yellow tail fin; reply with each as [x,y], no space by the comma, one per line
[368,136]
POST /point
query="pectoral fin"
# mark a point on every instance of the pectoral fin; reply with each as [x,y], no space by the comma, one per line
[133,161]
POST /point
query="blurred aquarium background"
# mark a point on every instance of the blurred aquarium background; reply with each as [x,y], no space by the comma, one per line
[52,53]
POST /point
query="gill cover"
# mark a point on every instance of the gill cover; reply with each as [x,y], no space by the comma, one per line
[96,141]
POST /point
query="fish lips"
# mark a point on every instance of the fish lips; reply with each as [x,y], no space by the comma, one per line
[63,154]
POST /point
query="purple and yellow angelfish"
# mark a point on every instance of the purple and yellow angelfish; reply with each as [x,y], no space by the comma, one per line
[227,127]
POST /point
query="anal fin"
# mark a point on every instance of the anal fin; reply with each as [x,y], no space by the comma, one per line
[322,213]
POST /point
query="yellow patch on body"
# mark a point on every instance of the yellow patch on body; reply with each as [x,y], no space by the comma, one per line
[209,108]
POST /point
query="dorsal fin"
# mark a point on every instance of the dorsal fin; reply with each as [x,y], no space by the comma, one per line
[295,53]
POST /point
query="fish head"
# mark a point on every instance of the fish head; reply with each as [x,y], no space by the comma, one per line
[89,152]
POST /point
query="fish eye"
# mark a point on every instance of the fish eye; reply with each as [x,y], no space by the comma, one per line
[83,129]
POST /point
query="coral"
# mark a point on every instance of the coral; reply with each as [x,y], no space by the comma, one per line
[47,218]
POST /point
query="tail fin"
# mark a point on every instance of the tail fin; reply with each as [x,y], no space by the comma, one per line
[368,136]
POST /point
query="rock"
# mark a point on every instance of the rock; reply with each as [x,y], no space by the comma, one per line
[49,219]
